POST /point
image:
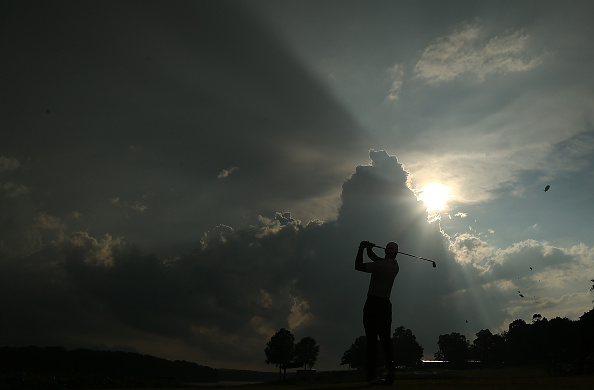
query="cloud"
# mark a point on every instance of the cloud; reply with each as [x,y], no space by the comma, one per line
[226,172]
[49,222]
[469,249]
[300,314]
[13,190]
[397,75]
[551,280]
[529,264]
[247,106]
[140,207]
[8,164]
[497,152]
[519,259]
[240,284]
[483,142]
[98,252]
[468,52]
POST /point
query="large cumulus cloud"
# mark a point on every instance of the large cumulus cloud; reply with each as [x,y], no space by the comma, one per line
[222,301]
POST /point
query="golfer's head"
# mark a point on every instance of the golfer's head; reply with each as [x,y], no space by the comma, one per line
[391,250]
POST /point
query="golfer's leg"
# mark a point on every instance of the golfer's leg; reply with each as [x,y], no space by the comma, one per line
[371,356]
[387,349]
[384,335]
[386,341]
[370,324]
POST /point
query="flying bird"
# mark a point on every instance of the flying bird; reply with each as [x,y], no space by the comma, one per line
[547,188]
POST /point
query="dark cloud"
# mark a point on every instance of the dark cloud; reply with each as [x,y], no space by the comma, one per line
[240,284]
[150,103]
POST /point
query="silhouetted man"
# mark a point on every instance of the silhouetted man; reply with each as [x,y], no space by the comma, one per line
[377,313]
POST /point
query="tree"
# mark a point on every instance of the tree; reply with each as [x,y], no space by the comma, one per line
[592,288]
[518,340]
[280,349]
[453,347]
[562,340]
[407,351]
[585,326]
[307,351]
[355,355]
[487,347]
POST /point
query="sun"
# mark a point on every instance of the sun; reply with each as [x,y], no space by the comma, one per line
[434,196]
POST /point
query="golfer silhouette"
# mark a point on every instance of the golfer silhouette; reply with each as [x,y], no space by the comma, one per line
[377,313]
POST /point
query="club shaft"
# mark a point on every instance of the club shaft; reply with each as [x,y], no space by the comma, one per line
[407,254]
[418,257]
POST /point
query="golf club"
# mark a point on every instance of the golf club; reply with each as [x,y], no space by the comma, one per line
[418,257]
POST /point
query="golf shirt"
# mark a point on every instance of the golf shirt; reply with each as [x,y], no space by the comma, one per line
[383,272]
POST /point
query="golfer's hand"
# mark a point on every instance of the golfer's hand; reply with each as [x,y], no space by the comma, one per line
[365,244]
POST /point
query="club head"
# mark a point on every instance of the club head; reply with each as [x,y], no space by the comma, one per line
[434,265]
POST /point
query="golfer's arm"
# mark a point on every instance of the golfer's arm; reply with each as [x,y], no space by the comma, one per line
[359,265]
[371,254]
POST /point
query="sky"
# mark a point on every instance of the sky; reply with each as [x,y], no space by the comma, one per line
[183,179]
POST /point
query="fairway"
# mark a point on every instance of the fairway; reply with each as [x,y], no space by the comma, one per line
[565,383]
[515,378]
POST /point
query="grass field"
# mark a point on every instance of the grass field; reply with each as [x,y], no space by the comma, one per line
[522,378]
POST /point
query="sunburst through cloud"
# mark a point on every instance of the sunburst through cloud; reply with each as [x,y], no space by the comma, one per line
[435,196]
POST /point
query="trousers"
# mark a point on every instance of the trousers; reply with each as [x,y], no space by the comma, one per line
[377,321]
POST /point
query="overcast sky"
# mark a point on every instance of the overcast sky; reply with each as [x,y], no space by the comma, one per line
[183,179]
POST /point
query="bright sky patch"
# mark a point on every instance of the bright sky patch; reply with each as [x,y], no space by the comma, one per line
[434,196]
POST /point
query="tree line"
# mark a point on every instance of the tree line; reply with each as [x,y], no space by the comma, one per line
[53,367]
[564,345]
